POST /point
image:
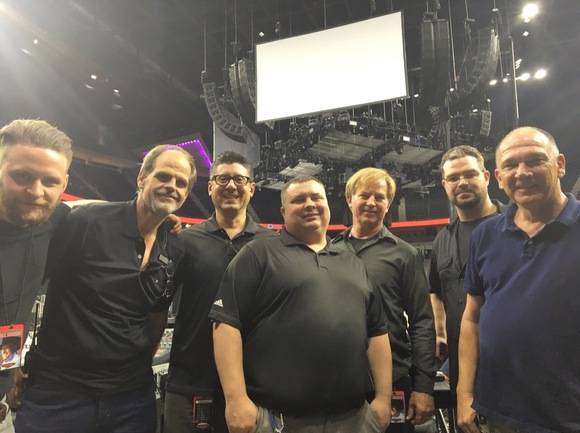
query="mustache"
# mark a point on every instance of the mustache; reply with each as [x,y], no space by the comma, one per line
[163,192]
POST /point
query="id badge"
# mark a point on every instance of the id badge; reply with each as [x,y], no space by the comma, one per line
[11,340]
[398,407]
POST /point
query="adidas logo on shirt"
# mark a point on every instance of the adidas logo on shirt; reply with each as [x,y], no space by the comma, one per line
[219,303]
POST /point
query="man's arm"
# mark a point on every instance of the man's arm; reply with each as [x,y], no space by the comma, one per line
[241,412]
[381,366]
[440,330]
[468,359]
[422,334]
[156,327]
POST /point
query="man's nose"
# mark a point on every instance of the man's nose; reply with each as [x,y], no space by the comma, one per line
[309,202]
[36,189]
[522,169]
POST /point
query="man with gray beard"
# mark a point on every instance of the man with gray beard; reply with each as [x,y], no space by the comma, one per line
[465,180]
[111,268]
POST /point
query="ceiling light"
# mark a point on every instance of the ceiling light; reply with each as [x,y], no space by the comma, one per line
[493,82]
[25,51]
[416,95]
[525,76]
[261,34]
[530,11]
[115,91]
[35,42]
[526,33]
[540,73]
[505,80]
[93,77]
[88,86]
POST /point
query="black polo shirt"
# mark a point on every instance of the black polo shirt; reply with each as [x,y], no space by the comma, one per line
[446,277]
[305,320]
[208,252]
[94,331]
[23,254]
[396,269]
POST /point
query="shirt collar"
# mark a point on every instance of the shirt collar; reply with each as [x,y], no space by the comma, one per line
[129,219]
[212,225]
[384,234]
[567,216]
[288,240]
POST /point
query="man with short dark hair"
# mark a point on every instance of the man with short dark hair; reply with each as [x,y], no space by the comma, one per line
[297,324]
[520,333]
[465,181]
[209,248]
[111,268]
[34,159]
[396,270]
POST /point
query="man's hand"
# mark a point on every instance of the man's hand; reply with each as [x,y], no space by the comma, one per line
[381,406]
[466,414]
[241,415]
[421,406]
[174,222]
[441,351]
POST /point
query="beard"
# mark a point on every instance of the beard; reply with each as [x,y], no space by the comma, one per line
[159,207]
[468,203]
[12,210]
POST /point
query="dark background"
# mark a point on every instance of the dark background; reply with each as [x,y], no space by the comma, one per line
[148,56]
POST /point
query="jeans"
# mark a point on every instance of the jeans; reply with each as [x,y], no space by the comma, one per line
[361,420]
[48,408]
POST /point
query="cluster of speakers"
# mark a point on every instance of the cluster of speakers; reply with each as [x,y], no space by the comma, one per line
[435,62]
[485,50]
[223,118]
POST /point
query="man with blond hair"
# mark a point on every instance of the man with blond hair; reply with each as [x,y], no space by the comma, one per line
[34,159]
[396,270]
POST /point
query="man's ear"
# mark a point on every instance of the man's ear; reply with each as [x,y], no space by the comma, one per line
[282,211]
[141,182]
[65,183]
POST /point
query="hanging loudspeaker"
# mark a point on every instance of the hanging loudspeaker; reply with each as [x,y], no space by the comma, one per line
[485,50]
[435,61]
[226,121]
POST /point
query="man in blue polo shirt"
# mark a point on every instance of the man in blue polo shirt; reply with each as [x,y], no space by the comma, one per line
[520,333]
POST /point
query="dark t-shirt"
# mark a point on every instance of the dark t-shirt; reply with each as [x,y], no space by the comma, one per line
[305,320]
[94,335]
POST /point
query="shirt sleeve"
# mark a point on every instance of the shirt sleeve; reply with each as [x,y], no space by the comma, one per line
[473,283]
[434,279]
[67,240]
[421,324]
[234,303]
[376,318]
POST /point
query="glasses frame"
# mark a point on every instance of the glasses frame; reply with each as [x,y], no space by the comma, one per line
[468,177]
[230,178]
[169,273]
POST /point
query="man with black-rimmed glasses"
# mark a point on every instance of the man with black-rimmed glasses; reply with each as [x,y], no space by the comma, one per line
[209,248]
[111,267]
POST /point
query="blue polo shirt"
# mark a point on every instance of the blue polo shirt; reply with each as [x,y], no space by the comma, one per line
[529,327]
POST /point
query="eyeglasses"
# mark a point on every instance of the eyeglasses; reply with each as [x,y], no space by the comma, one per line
[456,178]
[239,180]
[169,272]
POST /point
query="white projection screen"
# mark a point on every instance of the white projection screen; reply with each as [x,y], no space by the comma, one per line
[347,66]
